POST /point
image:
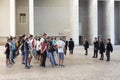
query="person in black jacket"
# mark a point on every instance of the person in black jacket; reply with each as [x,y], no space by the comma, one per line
[86,46]
[109,49]
[66,45]
[96,47]
[102,49]
[71,46]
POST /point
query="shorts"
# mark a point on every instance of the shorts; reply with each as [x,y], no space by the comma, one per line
[61,56]
[34,51]
[30,54]
[7,55]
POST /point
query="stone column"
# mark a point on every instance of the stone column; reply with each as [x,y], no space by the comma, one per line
[93,20]
[109,20]
[12,18]
[74,20]
[31,17]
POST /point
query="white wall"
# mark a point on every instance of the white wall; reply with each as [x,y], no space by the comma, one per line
[51,16]
[22,6]
[4,18]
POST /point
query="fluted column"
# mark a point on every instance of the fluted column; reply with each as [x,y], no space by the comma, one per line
[31,17]
[12,18]
[93,20]
[74,20]
[109,20]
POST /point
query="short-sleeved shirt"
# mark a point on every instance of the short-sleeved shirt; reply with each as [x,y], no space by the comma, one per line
[60,44]
[43,45]
[37,45]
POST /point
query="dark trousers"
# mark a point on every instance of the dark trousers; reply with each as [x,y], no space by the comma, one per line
[13,55]
[108,55]
[95,54]
[102,56]
[44,59]
[65,51]
[71,51]
[86,52]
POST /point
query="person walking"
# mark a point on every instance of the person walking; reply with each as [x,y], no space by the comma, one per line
[66,45]
[71,46]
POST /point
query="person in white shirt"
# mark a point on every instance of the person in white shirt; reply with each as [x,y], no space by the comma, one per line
[61,45]
[38,49]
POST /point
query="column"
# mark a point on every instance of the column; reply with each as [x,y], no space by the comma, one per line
[74,20]
[109,20]
[93,20]
[31,17]
[12,18]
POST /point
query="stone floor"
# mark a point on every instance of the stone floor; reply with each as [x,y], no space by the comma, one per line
[77,67]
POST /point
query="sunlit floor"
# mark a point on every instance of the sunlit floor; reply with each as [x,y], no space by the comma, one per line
[77,67]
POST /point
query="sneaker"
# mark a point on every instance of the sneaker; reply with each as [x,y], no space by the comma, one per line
[23,63]
[56,64]
[30,66]
[107,60]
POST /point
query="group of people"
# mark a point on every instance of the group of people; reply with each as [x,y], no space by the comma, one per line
[38,47]
[48,47]
[99,46]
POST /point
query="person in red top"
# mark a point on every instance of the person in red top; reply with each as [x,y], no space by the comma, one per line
[43,53]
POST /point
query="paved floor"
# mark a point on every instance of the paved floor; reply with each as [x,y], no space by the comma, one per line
[77,67]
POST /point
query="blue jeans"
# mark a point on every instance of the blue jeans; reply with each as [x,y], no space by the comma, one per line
[13,55]
[52,60]
[26,53]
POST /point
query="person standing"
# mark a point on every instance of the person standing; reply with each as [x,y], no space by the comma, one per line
[66,45]
[13,50]
[61,45]
[86,46]
[71,46]
[26,52]
[102,49]
[44,53]
[109,48]
[22,49]
[96,47]
[7,53]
